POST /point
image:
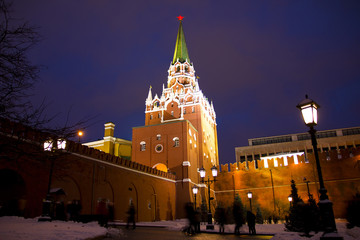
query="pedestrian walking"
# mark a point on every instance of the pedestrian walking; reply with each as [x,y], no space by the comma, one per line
[191,216]
[221,218]
[131,216]
[250,217]
[238,217]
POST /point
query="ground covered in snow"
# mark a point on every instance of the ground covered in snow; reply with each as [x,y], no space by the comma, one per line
[16,228]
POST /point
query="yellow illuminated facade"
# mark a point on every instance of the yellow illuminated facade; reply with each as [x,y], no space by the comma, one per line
[112,145]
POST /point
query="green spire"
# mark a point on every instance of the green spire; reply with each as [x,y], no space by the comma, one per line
[181,51]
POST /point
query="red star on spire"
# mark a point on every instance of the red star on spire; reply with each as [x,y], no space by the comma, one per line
[180,17]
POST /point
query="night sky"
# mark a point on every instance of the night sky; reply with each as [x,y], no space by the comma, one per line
[256,61]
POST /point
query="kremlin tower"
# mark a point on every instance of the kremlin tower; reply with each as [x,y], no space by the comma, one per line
[180,134]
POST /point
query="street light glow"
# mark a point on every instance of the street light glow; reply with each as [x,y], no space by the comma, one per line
[202,172]
[309,111]
[48,145]
[214,171]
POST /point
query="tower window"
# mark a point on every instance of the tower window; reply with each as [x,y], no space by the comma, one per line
[176,142]
[193,109]
[184,110]
[151,116]
[159,115]
[158,137]
[142,146]
[172,113]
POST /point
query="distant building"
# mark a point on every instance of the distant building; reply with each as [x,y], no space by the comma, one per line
[262,149]
[112,145]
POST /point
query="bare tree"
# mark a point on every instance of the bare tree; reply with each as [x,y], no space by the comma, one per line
[18,76]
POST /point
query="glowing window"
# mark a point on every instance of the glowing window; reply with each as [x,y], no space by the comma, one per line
[285,161]
[184,110]
[151,116]
[189,131]
[276,164]
[194,137]
[158,137]
[193,109]
[172,113]
[296,160]
[266,165]
[142,146]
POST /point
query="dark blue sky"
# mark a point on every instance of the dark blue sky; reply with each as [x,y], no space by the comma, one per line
[256,60]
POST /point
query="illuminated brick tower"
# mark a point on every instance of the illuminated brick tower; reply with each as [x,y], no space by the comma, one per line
[180,127]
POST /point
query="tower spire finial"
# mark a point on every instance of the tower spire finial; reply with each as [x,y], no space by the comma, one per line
[181,53]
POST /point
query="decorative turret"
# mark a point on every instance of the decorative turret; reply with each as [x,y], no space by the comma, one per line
[181,70]
[182,90]
[149,98]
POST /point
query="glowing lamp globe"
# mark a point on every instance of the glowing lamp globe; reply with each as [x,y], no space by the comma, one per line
[48,145]
[195,189]
[214,171]
[290,198]
[249,194]
[61,144]
[202,172]
[308,110]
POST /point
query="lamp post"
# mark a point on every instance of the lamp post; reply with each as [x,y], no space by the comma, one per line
[290,199]
[249,194]
[209,182]
[51,146]
[195,191]
[308,109]
[307,185]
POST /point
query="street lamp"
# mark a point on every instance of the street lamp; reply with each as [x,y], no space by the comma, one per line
[195,191]
[290,199]
[80,134]
[249,194]
[51,146]
[209,182]
[308,109]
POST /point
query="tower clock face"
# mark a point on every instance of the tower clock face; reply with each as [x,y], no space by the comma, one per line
[159,148]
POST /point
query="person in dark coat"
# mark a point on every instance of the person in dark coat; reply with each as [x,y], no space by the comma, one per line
[191,216]
[197,220]
[250,217]
[222,219]
[131,216]
[238,217]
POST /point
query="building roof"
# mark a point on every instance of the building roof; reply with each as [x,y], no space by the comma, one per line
[181,52]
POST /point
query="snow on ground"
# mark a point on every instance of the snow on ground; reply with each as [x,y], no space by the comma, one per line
[278,230]
[12,228]
[17,228]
